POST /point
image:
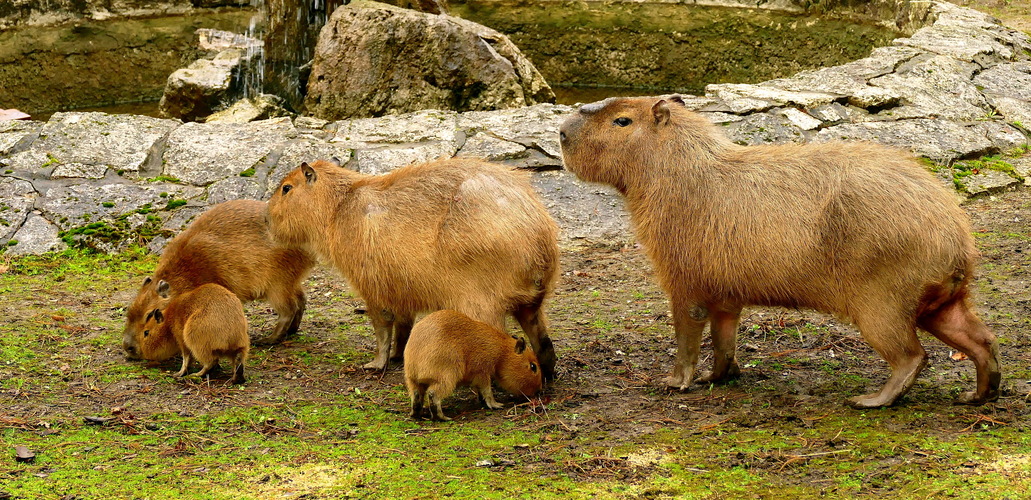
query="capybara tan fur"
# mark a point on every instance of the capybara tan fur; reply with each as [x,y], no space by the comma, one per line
[227,245]
[448,349]
[856,229]
[457,234]
[204,324]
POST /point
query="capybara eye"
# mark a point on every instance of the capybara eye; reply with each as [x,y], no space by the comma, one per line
[286,188]
[622,121]
[533,367]
[146,333]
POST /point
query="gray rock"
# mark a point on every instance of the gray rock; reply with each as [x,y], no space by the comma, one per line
[205,85]
[383,144]
[834,113]
[1022,166]
[1008,89]
[967,42]
[988,181]
[34,237]
[486,146]
[121,142]
[1004,136]
[764,128]
[245,110]
[16,200]
[939,140]
[75,205]
[535,127]
[15,133]
[219,40]
[373,59]
[940,85]
[801,119]
[745,98]
[584,212]
[234,188]
[384,159]
[78,171]
[202,153]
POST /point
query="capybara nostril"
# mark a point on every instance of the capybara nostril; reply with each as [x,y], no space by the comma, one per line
[562,135]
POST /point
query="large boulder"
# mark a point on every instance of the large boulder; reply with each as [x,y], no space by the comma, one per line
[374,59]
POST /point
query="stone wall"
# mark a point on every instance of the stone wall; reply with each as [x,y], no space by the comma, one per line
[960,88]
[50,12]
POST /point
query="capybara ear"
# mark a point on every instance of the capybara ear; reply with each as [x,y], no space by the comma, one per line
[163,289]
[158,316]
[520,346]
[677,98]
[661,112]
[334,160]
[309,173]
[147,281]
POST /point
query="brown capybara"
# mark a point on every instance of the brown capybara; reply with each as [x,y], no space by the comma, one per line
[457,234]
[448,349]
[205,323]
[227,245]
[855,229]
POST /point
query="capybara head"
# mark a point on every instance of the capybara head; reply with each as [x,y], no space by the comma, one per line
[157,343]
[303,204]
[602,140]
[146,301]
[520,372]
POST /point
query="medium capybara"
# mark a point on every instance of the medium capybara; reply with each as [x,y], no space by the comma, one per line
[227,245]
[448,349]
[205,323]
[457,234]
[855,229]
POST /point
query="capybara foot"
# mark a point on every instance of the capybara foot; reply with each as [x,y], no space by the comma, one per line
[677,383]
[271,339]
[494,405]
[711,377]
[375,365]
[973,398]
[874,400]
[441,418]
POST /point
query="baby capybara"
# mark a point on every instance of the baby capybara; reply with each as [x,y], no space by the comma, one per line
[448,349]
[855,229]
[457,234]
[206,323]
[227,245]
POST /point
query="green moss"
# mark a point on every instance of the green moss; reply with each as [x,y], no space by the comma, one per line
[173,204]
[247,173]
[164,178]
[107,204]
[51,160]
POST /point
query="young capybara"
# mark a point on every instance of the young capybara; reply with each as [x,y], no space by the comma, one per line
[206,323]
[227,245]
[448,349]
[855,229]
[457,234]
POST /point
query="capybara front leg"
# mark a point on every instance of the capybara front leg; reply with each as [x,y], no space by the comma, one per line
[383,324]
[417,393]
[956,324]
[289,306]
[534,323]
[402,330]
[688,323]
[723,325]
[486,393]
[893,336]
[186,365]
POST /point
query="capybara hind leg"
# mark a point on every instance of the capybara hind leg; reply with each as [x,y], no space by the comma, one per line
[688,323]
[893,336]
[383,324]
[402,330]
[723,325]
[417,393]
[534,323]
[435,411]
[289,306]
[957,325]
[238,362]
[206,368]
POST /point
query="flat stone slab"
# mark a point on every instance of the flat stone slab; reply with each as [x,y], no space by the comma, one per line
[16,200]
[202,153]
[584,212]
[37,235]
[14,132]
[939,140]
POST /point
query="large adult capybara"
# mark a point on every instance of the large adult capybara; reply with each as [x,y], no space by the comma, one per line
[856,229]
[205,323]
[448,349]
[228,245]
[457,234]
